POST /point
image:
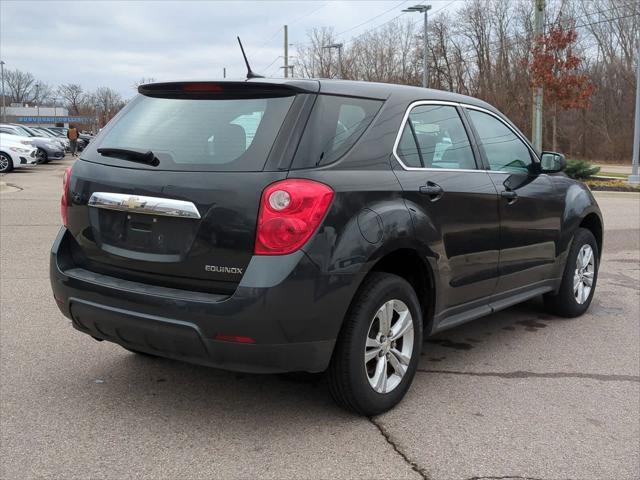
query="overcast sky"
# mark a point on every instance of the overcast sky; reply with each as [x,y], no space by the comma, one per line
[115,43]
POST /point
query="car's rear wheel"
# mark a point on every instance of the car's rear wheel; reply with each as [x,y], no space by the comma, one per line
[6,164]
[377,353]
[579,278]
[41,156]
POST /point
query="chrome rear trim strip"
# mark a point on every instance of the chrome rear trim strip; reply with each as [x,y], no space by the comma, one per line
[166,207]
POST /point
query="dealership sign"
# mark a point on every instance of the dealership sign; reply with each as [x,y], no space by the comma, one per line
[55,119]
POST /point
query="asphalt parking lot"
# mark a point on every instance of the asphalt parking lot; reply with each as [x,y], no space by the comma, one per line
[519,394]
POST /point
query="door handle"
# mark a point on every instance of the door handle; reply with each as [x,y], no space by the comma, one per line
[433,190]
[510,195]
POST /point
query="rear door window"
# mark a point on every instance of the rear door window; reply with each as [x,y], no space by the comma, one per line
[335,125]
[441,139]
[197,134]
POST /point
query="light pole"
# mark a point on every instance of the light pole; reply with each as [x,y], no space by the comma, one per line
[425,58]
[4,108]
[339,47]
[38,101]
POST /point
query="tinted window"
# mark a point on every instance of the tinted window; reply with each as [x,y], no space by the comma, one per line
[441,137]
[335,124]
[408,149]
[190,134]
[503,149]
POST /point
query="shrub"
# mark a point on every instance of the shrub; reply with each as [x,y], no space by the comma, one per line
[580,169]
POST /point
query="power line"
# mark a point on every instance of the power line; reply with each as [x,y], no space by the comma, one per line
[352,39]
[274,61]
[307,14]
[395,7]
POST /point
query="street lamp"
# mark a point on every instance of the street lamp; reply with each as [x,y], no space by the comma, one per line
[38,101]
[339,47]
[425,61]
[4,108]
[55,112]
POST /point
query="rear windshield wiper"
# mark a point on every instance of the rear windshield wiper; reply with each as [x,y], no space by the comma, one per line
[131,154]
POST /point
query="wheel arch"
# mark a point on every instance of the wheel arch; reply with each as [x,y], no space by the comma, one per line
[407,263]
[593,223]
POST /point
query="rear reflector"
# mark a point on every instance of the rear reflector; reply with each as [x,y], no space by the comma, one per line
[290,212]
[234,338]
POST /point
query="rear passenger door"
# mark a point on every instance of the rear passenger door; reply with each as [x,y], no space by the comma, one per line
[530,209]
[454,204]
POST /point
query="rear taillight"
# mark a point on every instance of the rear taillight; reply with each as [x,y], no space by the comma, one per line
[64,200]
[290,211]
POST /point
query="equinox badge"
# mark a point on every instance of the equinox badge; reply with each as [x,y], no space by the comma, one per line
[219,269]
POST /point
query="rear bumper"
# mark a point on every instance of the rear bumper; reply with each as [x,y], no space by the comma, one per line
[284,305]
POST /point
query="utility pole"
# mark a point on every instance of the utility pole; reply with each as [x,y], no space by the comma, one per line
[536,119]
[425,54]
[4,108]
[286,51]
[339,47]
[634,177]
[224,72]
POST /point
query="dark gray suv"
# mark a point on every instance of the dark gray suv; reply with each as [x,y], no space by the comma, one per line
[315,226]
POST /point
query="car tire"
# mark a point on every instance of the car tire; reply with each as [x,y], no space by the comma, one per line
[42,156]
[573,298]
[352,379]
[6,164]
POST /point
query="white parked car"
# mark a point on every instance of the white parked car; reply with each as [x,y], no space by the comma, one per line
[48,148]
[15,152]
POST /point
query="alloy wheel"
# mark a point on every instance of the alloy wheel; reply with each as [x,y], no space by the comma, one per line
[389,346]
[583,276]
[4,162]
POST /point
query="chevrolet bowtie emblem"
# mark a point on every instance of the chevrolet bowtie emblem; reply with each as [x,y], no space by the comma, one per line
[133,203]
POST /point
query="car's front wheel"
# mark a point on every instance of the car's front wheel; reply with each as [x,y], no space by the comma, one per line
[41,156]
[377,353]
[6,165]
[579,279]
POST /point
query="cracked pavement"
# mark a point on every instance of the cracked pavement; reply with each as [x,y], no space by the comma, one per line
[516,395]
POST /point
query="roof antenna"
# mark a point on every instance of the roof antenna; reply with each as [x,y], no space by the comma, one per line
[250,74]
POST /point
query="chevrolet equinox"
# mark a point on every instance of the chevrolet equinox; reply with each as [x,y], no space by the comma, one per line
[314,225]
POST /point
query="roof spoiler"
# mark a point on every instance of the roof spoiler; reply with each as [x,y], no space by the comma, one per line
[227,89]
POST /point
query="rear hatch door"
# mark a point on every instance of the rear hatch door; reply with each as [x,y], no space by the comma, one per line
[169,192]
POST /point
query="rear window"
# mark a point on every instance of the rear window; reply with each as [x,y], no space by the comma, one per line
[196,134]
[335,125]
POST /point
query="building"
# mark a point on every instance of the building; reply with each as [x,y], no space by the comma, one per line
[43,116]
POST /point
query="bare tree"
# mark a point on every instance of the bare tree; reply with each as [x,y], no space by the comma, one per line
[142,81]
[20,85]
[107,102]
[72,94]
[43,93]
[315,61]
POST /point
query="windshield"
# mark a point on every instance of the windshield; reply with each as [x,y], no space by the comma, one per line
[25,131]
[43,133]
[197,134]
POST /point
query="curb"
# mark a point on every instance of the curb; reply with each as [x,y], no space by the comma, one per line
[609,193]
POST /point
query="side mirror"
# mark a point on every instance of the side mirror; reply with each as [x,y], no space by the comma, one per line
[552,162]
